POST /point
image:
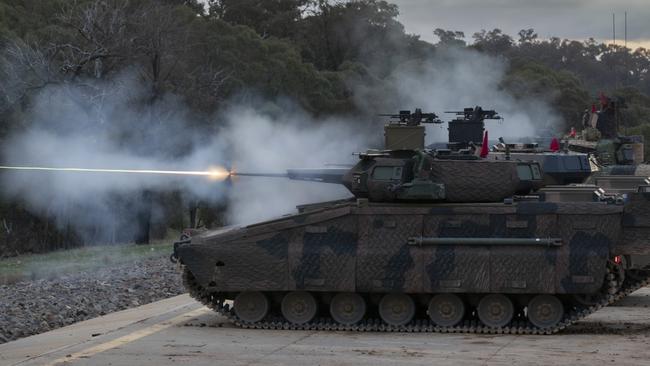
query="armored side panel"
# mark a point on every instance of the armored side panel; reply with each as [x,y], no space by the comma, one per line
[636,223]
[527,247]
[620,183]
[642,170]
[475,181]
[571,193]
[401,137]
[558,168]
[305,251]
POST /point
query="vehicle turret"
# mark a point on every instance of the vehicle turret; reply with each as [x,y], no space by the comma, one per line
[405,171]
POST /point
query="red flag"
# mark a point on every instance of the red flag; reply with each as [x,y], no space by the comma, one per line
[555,145]
[484,147]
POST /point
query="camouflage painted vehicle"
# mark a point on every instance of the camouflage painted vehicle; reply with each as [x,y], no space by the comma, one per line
[432,241]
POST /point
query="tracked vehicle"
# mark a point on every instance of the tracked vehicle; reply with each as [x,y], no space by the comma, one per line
[432,241]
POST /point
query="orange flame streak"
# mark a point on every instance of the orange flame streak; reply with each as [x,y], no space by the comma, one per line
[213,173]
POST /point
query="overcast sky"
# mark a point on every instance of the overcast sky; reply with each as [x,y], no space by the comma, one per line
[573,19]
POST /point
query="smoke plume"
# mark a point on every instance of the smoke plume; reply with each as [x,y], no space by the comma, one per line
[112,125]
[455,79]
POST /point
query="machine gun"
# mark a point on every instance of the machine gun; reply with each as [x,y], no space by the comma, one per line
[416,118]
[476,114]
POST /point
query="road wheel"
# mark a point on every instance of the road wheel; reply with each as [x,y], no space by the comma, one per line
[299,307]
[347,308]
[396,309]
[251,306]
[495,310]
[545,311]
[446,310]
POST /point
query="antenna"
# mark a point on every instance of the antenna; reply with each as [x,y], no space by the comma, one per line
[614,27]
[614,69]
[627,71]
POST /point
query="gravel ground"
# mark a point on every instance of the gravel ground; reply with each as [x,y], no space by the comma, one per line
[32,307]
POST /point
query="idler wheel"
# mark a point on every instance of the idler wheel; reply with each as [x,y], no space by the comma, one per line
[347,308]
[396,309]
[545,311]
[446,310]
[299,307]
[251,306]
[495,310]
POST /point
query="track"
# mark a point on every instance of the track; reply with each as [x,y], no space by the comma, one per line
[610,295]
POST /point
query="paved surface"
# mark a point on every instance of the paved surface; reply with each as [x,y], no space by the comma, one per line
[179,331]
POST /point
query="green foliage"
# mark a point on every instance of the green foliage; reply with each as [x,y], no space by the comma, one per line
[29,19]
[450,38]
[493,42]
[277,18]
[359,31]
[638,107]
[563,90]
[270,67]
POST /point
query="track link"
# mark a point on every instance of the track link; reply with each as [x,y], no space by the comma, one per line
[611,295]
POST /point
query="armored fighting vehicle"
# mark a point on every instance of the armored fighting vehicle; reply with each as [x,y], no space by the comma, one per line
[432,241]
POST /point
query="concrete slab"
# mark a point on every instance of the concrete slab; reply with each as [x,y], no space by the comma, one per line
[179,331]
[93,330]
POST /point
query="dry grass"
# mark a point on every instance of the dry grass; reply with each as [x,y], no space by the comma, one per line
[54,264]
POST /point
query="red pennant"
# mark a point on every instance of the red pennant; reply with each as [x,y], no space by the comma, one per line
[555,145]
[484,147]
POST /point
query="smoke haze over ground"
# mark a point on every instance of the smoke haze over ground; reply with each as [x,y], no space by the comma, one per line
[100,127]
[291,140]
[105,125]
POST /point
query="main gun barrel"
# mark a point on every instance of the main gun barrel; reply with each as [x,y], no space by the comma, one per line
[328,175]
[271,175]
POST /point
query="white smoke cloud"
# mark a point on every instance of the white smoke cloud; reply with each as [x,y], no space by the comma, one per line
[455,79]
[111,125]
[293,140]
[103,125]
